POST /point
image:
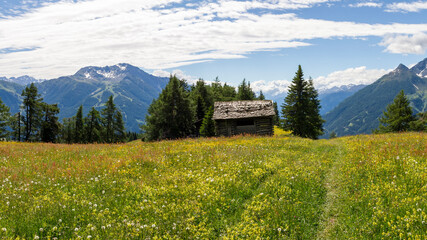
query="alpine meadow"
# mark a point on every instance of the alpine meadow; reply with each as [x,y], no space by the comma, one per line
[213,119]
[244,187]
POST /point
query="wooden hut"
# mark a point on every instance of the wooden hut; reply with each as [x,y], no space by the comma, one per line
[238,117]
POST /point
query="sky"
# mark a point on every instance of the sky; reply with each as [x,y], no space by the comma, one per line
[336,42]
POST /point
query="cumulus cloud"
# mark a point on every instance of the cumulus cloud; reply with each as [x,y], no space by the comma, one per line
[350,76]
[406,44]
[64,36]
[271,88]
[367,4]
[407,6]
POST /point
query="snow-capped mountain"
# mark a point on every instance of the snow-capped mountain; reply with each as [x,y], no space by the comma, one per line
[23,80]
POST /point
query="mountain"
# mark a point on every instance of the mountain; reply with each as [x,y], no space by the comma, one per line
[10,94]
[132,88]
[23,80]
[359,113]
[330,98]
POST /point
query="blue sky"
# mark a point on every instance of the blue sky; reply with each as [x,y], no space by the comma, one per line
[336,42]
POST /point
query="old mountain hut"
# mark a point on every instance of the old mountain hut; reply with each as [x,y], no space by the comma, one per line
[238,117]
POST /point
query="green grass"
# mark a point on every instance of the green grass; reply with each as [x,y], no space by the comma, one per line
[363,187]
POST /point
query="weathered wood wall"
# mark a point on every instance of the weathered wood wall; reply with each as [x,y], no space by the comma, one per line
[262,126]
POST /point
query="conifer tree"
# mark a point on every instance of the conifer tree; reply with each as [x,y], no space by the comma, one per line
[119,128]
[261,96]
[171,115]
[276,118]
[301,108]
[4,119]
[16,126]
[50,126]
[397,117]
[208,126]
[68,130]
[32,106]
[420,123]
[79,128]
[245,91]
[108,119]
[93,127]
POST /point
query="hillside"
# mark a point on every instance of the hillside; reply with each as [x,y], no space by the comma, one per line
[132,88]
[218,188]
[359,113]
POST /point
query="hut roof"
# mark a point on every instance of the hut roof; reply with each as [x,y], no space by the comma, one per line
[243,109]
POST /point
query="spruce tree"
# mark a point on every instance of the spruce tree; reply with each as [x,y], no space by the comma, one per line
[50,126]
[93,127]
[4,119]
[420,123]
[397,117]
[32,106]
[79,128]
[68,130]
[170,116]
[245,91]
[208,126]
[108,120]
[301,108]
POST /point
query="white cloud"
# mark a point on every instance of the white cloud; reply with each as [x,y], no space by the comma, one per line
[271,88]
[407,6]
[178,73]
[62,37]
[367,4]
[404,44]
[350,76]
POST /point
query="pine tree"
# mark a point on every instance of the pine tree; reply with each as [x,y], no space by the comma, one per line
[50,126]
[93,127]
[171,115]
[79,128]
[208,126]
[108,120]
[397,117]
[4,119]
[32,106]
[119,128]
[245,91]
[301,108]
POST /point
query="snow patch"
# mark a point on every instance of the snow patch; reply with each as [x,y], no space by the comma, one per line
[88,76]
[122,67]
[111,74]
[415,86]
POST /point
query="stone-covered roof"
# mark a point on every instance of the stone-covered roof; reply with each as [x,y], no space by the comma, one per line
[243,109]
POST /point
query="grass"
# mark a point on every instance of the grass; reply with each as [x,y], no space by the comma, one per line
[245,187]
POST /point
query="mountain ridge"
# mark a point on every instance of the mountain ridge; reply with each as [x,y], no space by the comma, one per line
[359,113]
